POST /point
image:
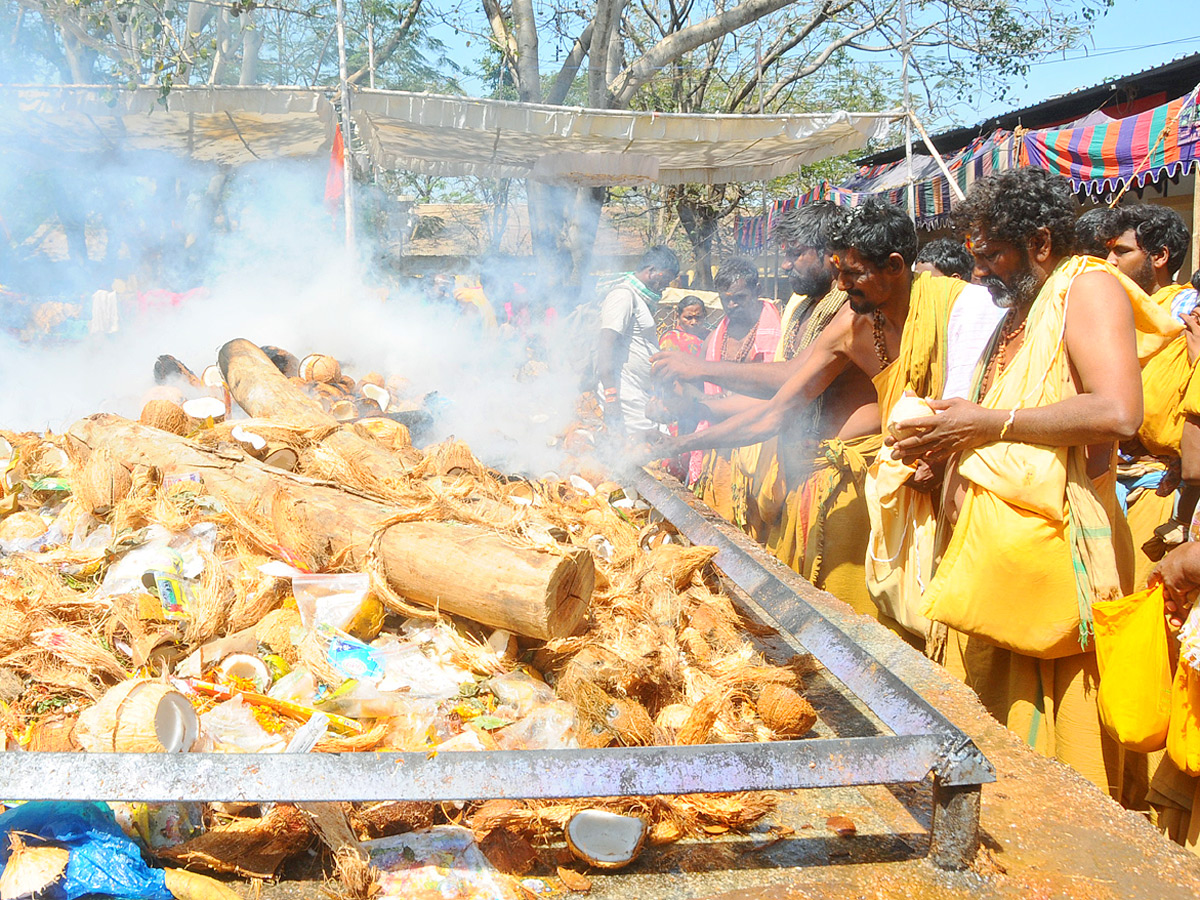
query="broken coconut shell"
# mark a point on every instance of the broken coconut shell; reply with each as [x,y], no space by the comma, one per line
[784,711]
[30,871]
[166,416]
[605,839]
[391,817]
[322,368]
[139,717]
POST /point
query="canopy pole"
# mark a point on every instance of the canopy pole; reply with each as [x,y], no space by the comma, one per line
[905,50]
[371,52]
[937,157]
[347,161]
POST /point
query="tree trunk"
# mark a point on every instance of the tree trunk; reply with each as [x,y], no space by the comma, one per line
[456,568]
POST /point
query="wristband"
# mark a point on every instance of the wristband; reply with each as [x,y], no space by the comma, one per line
[611,395]
[1007,424]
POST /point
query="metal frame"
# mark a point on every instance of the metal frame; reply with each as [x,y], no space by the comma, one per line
[923,741]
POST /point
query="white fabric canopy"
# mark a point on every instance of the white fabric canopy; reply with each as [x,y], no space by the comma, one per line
[436,135]
[226,125]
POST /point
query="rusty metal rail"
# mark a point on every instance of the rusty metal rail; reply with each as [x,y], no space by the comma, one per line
[923,741]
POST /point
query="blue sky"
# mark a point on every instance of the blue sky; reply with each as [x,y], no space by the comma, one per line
[1134,35]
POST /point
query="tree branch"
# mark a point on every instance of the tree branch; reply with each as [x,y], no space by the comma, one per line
[626,84]
[570,67]
[385,50]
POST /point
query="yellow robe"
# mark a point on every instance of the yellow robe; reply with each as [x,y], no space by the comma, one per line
[1170,389]
[766,475]
[899,514]
[1035,543]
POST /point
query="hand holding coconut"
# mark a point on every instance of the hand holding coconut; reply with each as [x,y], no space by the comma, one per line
[955,426]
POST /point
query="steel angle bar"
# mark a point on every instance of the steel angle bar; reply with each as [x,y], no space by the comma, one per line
[897,705]
[496,774]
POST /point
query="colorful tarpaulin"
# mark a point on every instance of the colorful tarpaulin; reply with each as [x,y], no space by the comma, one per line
[1099,154]
[1100,157]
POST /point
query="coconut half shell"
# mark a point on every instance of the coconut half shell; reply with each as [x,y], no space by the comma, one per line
[605,839]
[31,870]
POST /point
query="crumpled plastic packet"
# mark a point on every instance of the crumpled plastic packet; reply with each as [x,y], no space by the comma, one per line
[103,859]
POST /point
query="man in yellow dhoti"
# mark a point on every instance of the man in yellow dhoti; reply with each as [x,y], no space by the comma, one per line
[767,476]
[883,339]
[1149,248]
[1036,536]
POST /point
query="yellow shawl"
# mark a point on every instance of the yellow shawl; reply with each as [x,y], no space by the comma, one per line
[1033,547]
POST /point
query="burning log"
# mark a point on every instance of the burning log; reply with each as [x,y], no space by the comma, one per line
[458,568]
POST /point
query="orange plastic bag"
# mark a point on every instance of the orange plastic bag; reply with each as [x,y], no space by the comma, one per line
[1134,698]
[1183,737]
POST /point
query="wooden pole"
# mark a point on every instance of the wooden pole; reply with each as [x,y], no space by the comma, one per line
[460,569]
[347,159]
[265,393]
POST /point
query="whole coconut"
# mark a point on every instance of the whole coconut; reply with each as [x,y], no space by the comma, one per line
[785,712]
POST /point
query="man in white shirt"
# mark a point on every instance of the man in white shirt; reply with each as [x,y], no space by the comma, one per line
[628,339]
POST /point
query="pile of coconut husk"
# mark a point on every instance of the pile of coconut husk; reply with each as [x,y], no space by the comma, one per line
[656,654]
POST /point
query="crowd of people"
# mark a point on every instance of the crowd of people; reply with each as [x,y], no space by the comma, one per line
[972,442]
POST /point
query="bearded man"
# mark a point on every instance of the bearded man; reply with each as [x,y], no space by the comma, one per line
[1036,534]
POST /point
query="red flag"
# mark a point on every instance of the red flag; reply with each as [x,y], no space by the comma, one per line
[335,182]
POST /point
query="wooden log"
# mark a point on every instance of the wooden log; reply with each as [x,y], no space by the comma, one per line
[264,392]
[457,568]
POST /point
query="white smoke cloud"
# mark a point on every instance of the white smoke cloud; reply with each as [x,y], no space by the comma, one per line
[275,270]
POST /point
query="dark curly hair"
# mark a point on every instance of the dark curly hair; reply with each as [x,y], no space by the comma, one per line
[1013,204]
[734,270]
[875,230]
[949,257]
[1094,229]
[809,225]
[1156,227]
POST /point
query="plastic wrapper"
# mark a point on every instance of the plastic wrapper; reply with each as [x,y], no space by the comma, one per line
[342,601]
[435,864]
[362,700]
[160,825]
[104,860]
[412,726]
[409,667]
[549,727]
[518,694]
[162,551]
[232,726]
[350,656]
[297,686]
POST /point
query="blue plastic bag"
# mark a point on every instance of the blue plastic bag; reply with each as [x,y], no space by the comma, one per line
[103,860]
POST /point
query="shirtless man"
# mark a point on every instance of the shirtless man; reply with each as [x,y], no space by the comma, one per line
[853,364]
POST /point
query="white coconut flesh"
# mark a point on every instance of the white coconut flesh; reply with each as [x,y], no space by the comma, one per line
[581,484]
[249,438]
[378,394]
[245,667]
[205,408]
[212,377]
[605,839]
[175,723]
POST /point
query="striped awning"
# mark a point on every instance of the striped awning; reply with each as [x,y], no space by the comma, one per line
[1100,157]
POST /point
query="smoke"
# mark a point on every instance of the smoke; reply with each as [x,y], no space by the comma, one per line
[256,255]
